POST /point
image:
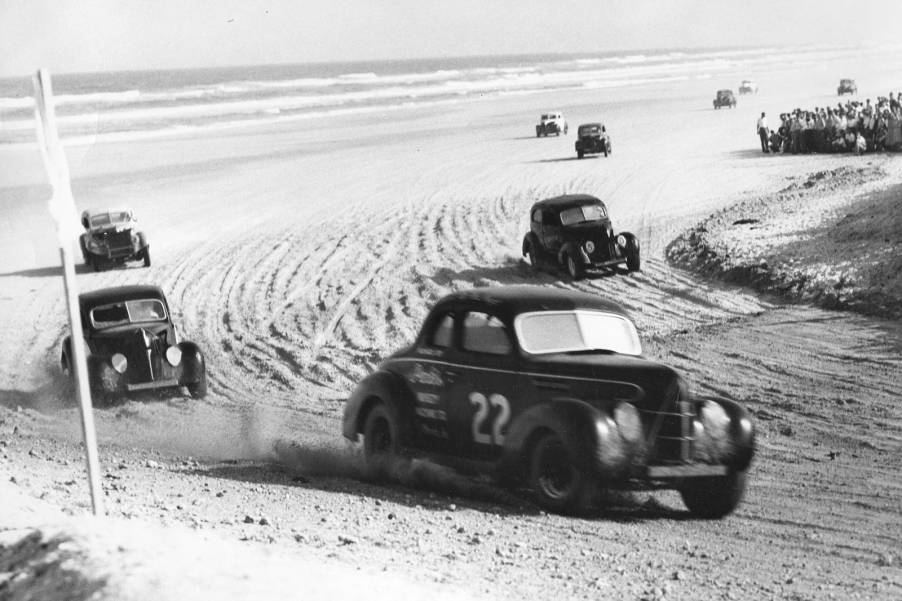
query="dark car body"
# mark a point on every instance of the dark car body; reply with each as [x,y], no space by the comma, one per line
[575,232]
[131,343]
[477,389]
[846,86]
[724,98]
[111,238]
[592,138]
[552,122]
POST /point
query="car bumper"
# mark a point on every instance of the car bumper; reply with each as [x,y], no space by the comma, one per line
[668,472]
[169,383]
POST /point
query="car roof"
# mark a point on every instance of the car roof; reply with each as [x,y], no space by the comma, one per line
[724,91]
[95,298]
[594,124]
[514,300]
[567,200]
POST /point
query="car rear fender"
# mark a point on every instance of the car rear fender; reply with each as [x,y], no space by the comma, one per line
[379,387]
[530,239]
[589,434]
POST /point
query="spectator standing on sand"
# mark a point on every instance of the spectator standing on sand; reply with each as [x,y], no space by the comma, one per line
[861,144]
[820,125]
[761,128]
[795,134]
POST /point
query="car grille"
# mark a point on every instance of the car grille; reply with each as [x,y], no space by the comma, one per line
[668,429]
[119,243]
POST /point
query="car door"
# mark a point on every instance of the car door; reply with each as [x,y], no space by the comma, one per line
[424,372]
[482,385]
[551,231]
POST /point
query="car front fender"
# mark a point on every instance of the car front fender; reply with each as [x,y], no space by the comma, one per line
[737,449]
[589,434]
[193,363]
[530,239]
[380,386]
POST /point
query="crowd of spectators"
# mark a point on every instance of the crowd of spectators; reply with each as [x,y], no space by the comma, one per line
[851,127]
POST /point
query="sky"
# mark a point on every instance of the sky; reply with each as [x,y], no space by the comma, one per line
[102,35]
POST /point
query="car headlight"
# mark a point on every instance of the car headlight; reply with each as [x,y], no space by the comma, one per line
[119,362]
[590,247]
[626,416]
[174,355]
[715,420]
[621,240]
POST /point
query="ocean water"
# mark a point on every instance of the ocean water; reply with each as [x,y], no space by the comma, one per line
[141,103]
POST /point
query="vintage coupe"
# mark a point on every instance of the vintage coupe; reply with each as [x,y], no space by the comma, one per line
[724,98]
[592,138]
[111,238]
[575,231]
[549,388]
[551,123]
[131,344]
[748,87]
[846,86]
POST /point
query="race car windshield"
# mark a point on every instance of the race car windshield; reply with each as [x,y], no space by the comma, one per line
[124,313]
[109,218]
[576,331]
[582,214]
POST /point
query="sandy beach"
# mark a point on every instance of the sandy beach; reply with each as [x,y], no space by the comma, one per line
[299,254]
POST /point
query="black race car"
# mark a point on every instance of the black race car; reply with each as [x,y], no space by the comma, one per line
[111,238]
[575,231]
[131,344]
[724,98]
[549,387]
[592,138]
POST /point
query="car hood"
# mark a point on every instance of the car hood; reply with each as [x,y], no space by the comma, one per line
[137,336]
[589,229]
[650,380]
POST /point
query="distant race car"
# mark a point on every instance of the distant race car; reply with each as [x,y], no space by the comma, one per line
[724,98]
[552,122]
[748,87]
[111,238]
[131,344]
[549,387]
[592,138]
[846,86]
[574,231]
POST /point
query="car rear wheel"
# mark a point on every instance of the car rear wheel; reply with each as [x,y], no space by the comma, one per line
[575,269]
[579,154]
[633,260]
[380,439]
[146,256]
[558,484]
[714,498]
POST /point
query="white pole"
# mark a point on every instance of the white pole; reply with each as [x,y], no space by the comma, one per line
[62,208]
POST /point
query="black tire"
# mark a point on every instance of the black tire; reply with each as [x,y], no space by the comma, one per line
[198,389]
[381,439]
[95,263]
[714,498]
[533,255]
[605,150]
[146,254]
[575,269]
[579,154]
[557,483]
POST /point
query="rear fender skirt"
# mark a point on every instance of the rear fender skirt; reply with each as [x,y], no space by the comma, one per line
[380,386]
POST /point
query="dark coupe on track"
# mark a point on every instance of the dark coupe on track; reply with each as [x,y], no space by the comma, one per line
[575,232]
[131,344]
[550,388]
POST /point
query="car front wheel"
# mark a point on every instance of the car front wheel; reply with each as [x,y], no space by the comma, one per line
[146,256]
[575,269]
[380,439]
[714,498]
[533,255]
[198,389]
[558,484]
